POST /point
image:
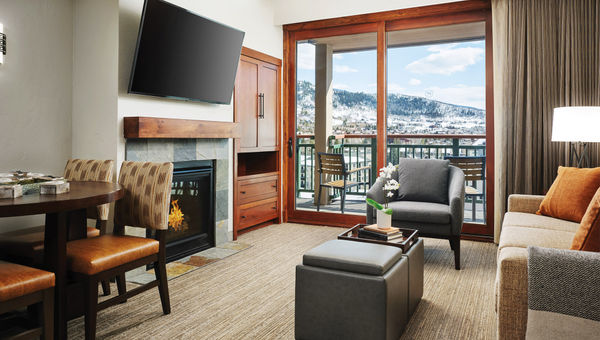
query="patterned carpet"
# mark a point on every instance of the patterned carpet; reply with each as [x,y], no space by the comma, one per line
[250,295]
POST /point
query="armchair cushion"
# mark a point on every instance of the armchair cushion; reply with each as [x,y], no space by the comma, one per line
[423,180]
[420,212]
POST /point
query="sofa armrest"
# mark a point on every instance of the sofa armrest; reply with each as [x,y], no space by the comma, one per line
[456,198]
[375,193]
[524,203]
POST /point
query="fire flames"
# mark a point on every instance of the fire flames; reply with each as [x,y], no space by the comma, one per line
[176,217]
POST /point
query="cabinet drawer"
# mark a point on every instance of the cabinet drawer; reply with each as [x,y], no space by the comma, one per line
[258,213]
[253,190]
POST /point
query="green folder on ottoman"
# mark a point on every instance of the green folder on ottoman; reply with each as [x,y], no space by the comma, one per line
[431,199]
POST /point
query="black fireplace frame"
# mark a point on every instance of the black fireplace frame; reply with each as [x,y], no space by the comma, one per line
[184,247]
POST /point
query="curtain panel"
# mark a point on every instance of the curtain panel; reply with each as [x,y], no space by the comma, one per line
[546,55]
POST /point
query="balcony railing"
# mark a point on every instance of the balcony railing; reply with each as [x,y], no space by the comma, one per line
[361,150]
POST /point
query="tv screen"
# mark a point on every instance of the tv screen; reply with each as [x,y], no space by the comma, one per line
[182,55]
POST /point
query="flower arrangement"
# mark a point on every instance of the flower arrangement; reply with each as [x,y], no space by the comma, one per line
[390,185]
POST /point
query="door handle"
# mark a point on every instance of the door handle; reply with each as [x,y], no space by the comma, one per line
[262,105]
[290,148]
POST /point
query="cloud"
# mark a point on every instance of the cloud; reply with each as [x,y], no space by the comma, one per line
[446,59]
[473,96]
[395,88]
[306,56]
[338,56]
[414,82]
[344,69]
[340,86]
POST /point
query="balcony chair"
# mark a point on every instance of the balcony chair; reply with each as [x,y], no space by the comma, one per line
[145,205]
[474,169]
[26,246]
[431,199]
[22,286]
[334,164]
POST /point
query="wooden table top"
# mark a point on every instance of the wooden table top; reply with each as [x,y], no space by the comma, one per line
[81,195]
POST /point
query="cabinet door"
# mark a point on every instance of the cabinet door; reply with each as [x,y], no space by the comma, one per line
[267,124]
[246,101]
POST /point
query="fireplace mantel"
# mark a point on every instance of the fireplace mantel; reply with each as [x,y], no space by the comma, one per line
[150,127]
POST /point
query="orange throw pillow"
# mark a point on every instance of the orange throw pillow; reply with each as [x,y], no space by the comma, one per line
[587,236]
[571,193]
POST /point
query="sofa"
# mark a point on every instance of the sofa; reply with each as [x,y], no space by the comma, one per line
[431,199]
[521,228]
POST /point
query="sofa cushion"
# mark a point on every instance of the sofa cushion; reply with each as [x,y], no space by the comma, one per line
[420,212]
[571,193]
[523,237]
[351,256]
[587,236]
[423,180]
[519,219]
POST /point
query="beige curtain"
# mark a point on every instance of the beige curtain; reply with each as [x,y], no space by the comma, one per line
[546,54]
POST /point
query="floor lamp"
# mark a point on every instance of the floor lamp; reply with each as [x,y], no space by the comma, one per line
[579,126]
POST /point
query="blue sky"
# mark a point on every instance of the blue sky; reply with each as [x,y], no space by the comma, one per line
[452,73]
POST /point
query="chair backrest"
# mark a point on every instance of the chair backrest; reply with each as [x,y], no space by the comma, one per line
[147,195]
[472,166]
[91,170]
[332,164]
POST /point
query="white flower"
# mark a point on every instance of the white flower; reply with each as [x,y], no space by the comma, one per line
[390,194]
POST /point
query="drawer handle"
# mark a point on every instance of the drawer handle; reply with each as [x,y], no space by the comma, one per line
[274,208]
[243,216]
[274,186]
[242,192]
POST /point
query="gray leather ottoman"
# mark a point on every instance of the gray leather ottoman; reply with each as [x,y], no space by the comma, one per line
[352,290]
[416,259]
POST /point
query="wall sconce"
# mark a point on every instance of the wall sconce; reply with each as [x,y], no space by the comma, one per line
[2,44]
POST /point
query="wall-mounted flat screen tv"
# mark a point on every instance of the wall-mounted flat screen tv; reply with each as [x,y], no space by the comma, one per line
[183,55]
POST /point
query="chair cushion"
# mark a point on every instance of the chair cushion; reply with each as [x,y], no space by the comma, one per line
[520,219]
[17,280]
[27,242]
[93,255]
[423,180]
[420,212]
[352,256]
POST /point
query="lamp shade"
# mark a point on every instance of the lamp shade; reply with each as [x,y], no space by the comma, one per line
[576,124]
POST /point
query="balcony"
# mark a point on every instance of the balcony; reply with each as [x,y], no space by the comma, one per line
[361,150]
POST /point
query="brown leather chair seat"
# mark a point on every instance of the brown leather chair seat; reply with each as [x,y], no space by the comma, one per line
[94,255]
[17,280]
[29,243]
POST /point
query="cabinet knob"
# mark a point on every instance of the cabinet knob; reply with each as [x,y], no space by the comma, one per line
[242,192]
[243,216]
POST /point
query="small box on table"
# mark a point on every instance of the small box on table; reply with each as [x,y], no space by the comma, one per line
[54,188]
[11,191]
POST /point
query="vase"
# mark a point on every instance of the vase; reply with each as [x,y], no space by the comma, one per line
[384,221]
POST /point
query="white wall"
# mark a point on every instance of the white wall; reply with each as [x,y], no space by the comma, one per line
[293,11]
[35,90]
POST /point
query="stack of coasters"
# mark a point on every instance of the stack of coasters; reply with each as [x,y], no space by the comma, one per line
[54,187]
[11,191]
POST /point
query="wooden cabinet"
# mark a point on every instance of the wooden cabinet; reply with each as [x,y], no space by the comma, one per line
[257,104]
[257,108]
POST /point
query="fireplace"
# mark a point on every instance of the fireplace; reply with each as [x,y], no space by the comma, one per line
[191,215]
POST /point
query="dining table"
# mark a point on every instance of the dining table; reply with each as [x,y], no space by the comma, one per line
[65,220]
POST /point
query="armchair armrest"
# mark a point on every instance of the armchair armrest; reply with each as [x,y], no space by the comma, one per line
[456,198]
[376,193]
[358,169]
[524,203]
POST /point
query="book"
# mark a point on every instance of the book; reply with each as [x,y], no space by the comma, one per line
[374,228]
[11,191]
[54,188]
[376,236]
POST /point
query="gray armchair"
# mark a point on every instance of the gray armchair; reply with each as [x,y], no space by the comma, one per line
[431,199]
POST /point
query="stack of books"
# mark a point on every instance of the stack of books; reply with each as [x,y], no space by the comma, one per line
[375,233]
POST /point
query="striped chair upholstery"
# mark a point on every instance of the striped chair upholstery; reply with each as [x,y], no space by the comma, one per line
[91,170]
[147,194]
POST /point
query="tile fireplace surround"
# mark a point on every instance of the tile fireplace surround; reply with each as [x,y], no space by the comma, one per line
[189,149]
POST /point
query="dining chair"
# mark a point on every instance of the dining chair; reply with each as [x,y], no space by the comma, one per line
[22,286]
[335,165]
[474,169]
[145,204]
[26,246]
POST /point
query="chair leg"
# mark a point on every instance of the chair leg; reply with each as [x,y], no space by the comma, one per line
[48,314]
[343,199]
[319,198]
[455,246]
[160,270]
[121,287]
[474,207]
[91,308]
[105,287]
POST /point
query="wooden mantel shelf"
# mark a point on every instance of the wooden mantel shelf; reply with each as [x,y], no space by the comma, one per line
[149,127]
